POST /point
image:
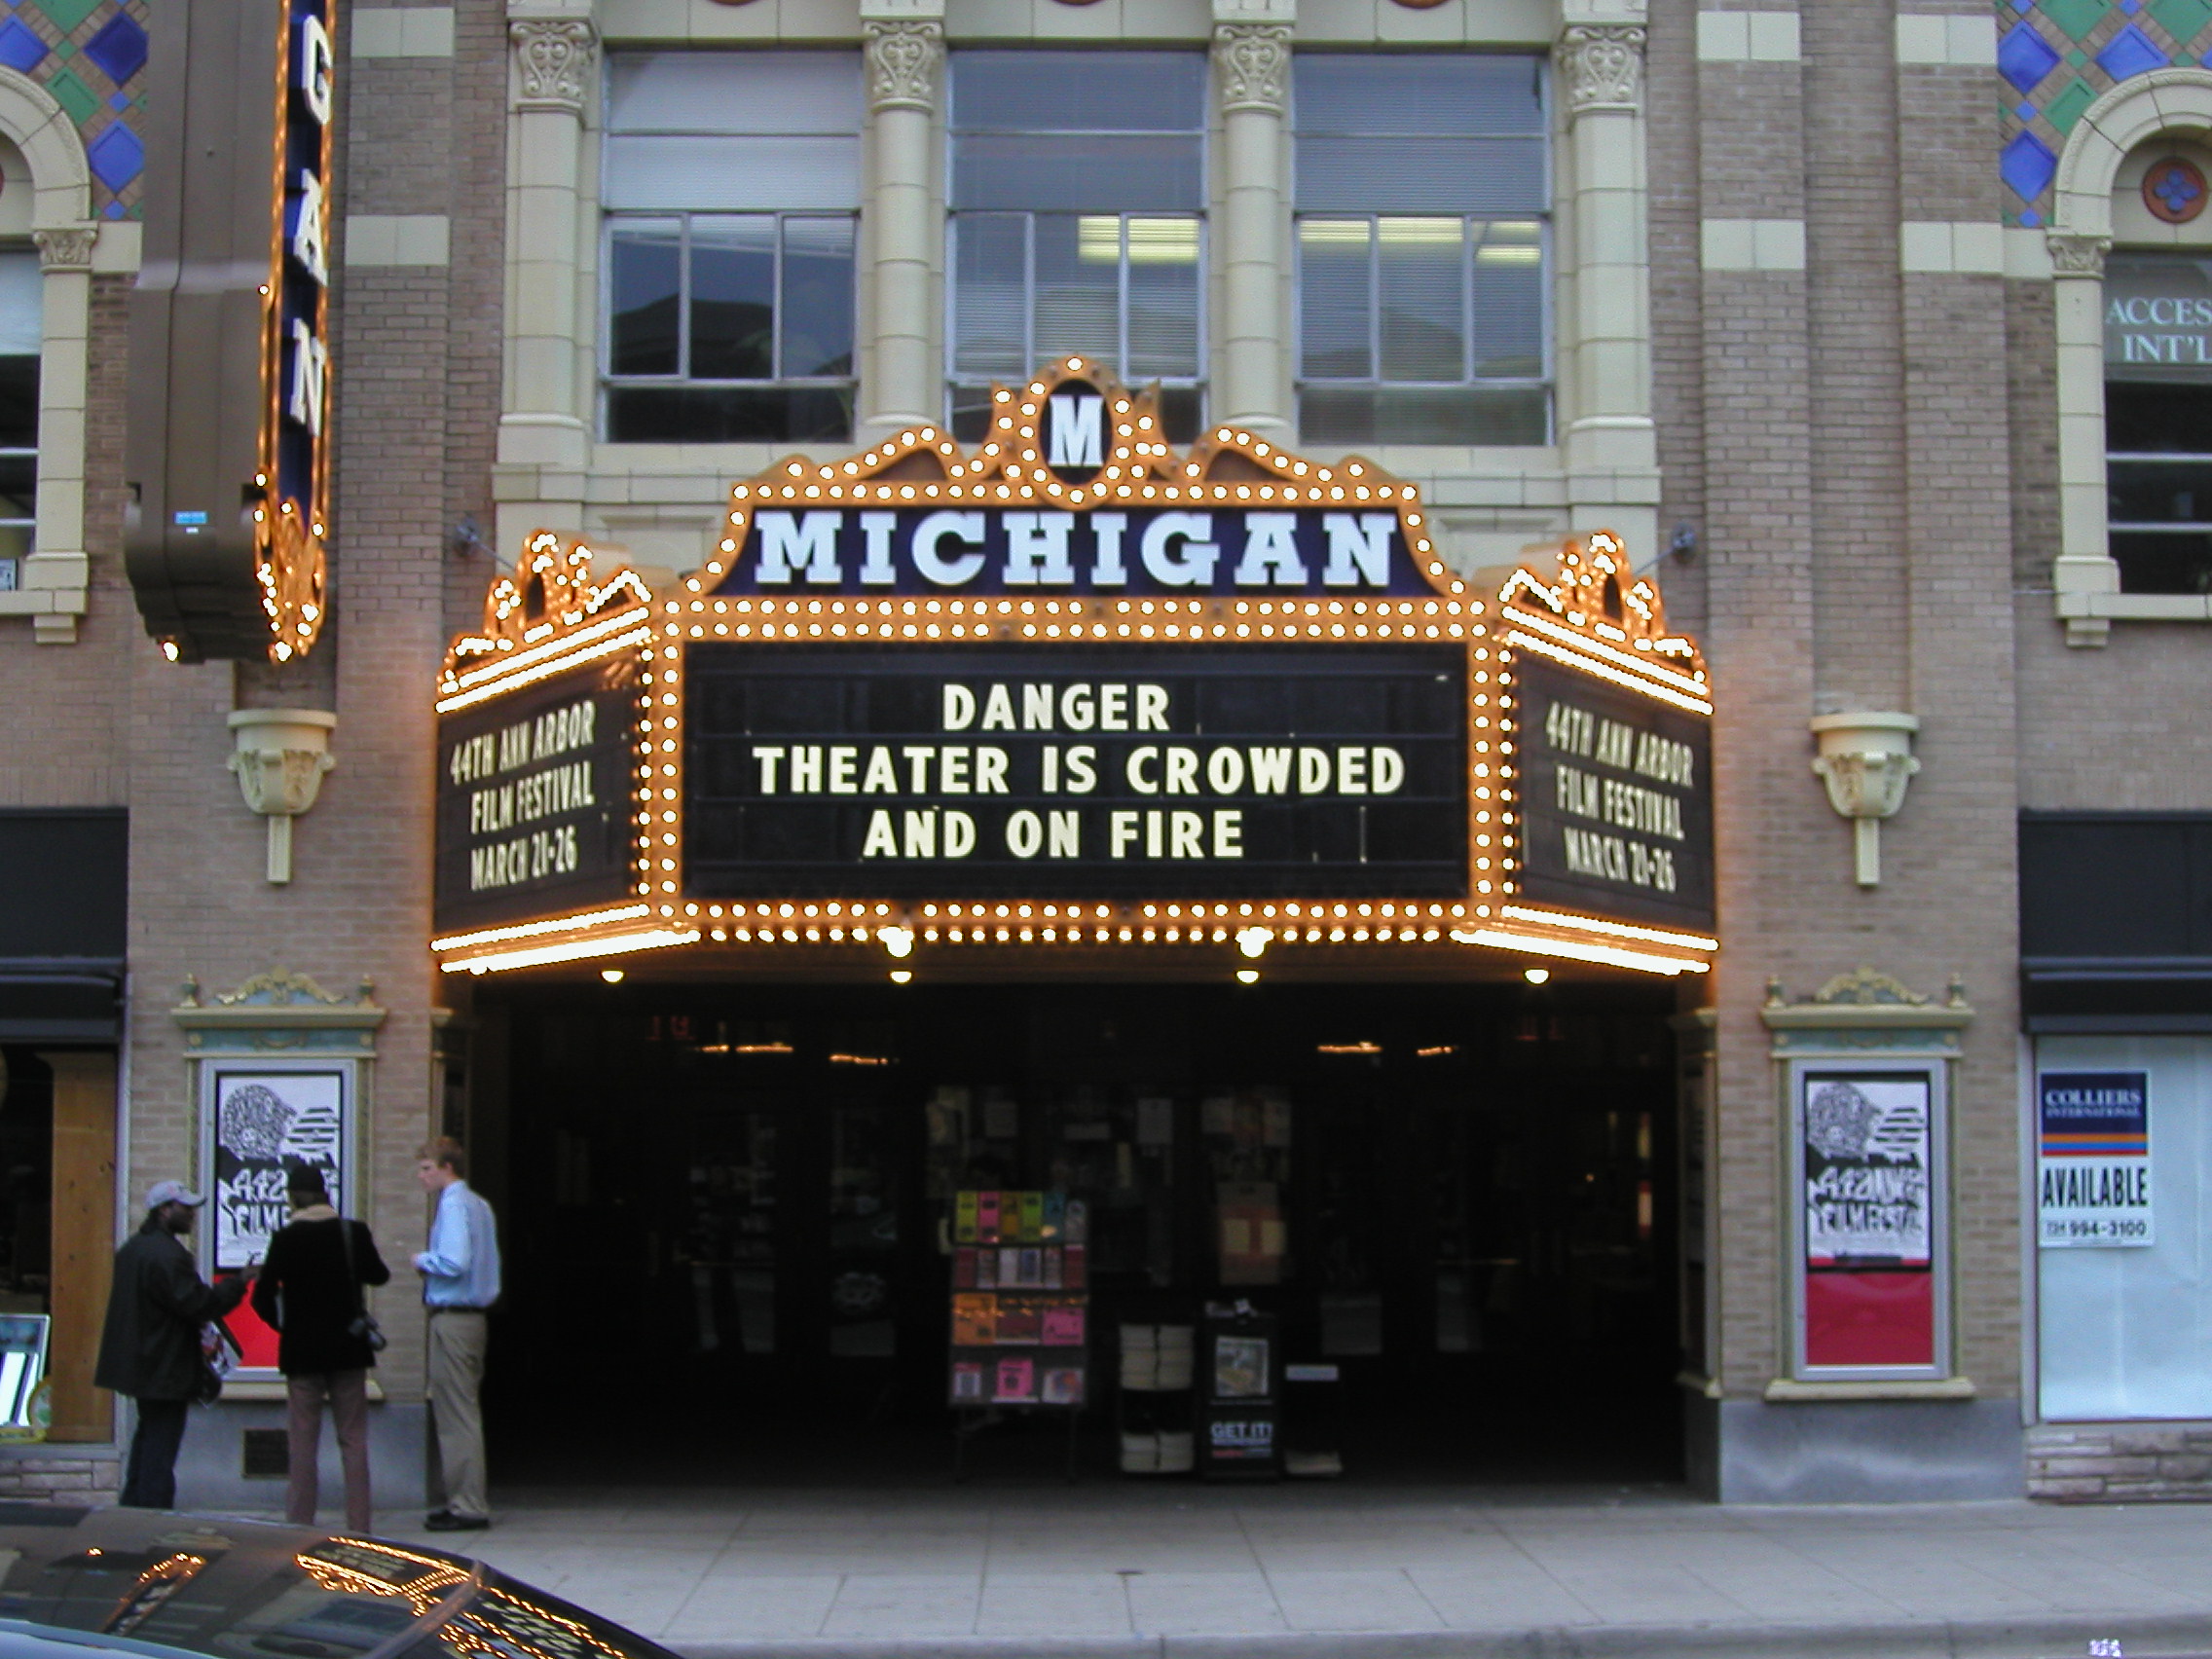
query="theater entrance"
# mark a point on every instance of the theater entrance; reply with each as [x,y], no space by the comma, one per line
[728,1212]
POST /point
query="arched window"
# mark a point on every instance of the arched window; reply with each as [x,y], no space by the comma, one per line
[2131,254]
[48,248]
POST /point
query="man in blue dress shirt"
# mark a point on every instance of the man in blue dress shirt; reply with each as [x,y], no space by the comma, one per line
[460,1280]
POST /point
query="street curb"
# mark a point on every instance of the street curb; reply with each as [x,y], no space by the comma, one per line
[2064,1635]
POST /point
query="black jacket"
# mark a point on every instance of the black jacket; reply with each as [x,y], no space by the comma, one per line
[156,1305]
[306,1294]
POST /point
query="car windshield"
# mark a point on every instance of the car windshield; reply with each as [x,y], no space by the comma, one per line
[196,1590]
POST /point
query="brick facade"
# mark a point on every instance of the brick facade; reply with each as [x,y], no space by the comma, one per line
[1867,455]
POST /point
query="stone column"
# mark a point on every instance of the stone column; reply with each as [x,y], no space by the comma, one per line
[58,567]
[1604,382]
[1251,61]
[2084,567]
[546,421]
[905,376]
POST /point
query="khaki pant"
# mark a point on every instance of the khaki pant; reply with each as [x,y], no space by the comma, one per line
[457,1373]
[349,1394]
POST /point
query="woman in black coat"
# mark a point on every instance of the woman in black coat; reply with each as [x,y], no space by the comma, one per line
[310,1291]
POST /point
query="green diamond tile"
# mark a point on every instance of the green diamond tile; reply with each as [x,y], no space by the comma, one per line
[66,13]
[2077,58]
[2182,18]
[2064,110]
[2076,16]
[64,50]
[73,96]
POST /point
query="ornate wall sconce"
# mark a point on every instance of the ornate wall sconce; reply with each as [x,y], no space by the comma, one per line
[281,758]
[1866,760]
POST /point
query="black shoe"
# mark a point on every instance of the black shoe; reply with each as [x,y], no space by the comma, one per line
[446,1521]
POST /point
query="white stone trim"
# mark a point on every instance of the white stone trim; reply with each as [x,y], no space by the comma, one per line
[2027,255]
[55,581]
[1747,37]
[2165,102]
[397,239]
[1951,247]
[1956,40]
[1753,245]
[402,31]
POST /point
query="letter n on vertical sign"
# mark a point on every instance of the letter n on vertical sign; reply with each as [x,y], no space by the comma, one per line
[1868,1226]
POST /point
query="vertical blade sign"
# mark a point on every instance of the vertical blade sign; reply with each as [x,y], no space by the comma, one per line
[229,458]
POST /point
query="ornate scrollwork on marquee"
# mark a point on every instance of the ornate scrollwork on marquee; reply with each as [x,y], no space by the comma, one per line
[904,57]
[553,58]
[1598,595]
[1136,465]
[1253,61]
[1602,66]
[553,591]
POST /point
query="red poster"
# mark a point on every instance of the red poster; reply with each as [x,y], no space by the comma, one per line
[1870,1319]
[255,1337]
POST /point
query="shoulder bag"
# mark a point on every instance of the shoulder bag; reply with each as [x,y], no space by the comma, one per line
[364,1325]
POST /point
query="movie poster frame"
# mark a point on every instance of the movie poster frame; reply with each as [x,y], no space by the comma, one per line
[1935,1071]
[212,1069]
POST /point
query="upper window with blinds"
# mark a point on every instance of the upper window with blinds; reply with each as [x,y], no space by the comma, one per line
[1423,198]
[22,340]
[1078,196]
[731,184]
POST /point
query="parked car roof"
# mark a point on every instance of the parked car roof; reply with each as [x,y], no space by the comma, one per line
[81,1582]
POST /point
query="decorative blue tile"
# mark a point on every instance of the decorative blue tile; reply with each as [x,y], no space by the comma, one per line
[115,209]
[2023,5]
[120,102]
[20,49]
[2131,51]
[2026,112]
[118,158]
[2031,219]
[119,48]
[2024,57]
[2027,165]
[2131,7]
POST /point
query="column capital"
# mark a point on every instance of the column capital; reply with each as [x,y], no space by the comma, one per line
[2075,255]
[905,55]
[1254,64]
[1602,66]
[66,247]
[554,57]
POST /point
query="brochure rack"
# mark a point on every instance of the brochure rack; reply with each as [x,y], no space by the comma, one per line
[1020,1310]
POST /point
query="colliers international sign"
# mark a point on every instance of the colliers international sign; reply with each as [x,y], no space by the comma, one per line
[1073,688]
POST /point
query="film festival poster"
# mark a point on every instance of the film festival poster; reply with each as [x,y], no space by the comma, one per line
[266,1124]
[1866,1174]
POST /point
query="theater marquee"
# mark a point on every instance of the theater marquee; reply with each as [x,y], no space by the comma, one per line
[1073,690]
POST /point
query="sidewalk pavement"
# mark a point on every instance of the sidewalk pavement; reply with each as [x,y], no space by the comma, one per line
[1307,1571]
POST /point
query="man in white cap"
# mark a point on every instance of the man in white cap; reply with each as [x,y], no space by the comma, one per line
[150,1349]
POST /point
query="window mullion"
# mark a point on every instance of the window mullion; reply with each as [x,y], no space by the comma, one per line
[1122,298]
[1466,301]
[776,302]
[684,301]
[1374,300]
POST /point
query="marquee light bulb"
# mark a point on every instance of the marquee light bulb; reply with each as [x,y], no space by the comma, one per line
[1247,975]
[899,941]
[1253,941]
[1536,975]
[902,976]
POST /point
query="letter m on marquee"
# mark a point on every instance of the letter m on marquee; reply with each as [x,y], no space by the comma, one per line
[1078,436]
